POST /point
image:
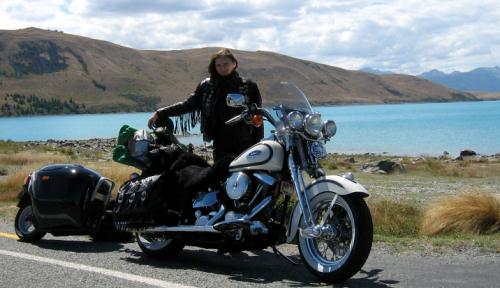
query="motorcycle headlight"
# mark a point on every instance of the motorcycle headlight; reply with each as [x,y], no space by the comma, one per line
[329,128]
[295,119]
[313,124]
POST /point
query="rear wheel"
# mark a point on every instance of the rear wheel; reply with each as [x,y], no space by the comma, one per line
[158,245]
[343,248]
[25,225]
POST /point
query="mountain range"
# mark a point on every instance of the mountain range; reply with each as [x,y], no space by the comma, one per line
[51,72]
[480,79]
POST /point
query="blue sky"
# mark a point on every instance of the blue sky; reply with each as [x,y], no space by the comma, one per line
[402,36]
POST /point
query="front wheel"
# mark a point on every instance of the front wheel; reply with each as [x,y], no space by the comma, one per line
[25,226]
[342,250]
[159,246]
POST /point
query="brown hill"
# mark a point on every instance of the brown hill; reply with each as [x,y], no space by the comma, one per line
[52,72]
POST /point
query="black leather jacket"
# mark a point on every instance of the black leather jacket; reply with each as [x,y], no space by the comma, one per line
[210,99]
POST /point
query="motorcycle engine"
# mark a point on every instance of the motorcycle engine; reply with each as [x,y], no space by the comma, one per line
[205,203]
[237,185]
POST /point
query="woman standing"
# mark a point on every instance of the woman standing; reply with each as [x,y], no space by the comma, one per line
[207,105]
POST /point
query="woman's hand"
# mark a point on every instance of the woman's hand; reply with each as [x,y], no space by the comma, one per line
[153,119]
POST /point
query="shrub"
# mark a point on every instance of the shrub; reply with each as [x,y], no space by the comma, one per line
[476,213]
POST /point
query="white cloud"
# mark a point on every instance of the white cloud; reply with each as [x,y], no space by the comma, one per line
[403,36]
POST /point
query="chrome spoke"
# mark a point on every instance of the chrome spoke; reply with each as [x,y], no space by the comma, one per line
[332,250]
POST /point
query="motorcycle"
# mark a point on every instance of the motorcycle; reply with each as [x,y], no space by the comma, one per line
[330,220]
[261,201]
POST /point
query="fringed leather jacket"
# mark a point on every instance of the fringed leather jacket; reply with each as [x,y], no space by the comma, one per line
[207,106]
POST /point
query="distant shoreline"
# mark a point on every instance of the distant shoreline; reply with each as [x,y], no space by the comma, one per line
[323,104]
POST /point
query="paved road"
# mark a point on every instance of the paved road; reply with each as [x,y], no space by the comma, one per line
[79,262]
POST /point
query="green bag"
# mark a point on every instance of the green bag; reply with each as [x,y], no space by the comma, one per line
[120,152]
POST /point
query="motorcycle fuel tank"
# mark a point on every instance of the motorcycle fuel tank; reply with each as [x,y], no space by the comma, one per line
[266,155]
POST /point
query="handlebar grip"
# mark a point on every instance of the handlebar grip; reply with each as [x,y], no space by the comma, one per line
[234,120]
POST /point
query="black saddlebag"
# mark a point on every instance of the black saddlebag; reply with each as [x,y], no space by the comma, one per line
[68,195]
[143,201]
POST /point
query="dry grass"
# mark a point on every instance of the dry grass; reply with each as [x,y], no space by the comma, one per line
[25,158]
[19,165]
[11,185]
[118,173]
[395,218]
[476,213]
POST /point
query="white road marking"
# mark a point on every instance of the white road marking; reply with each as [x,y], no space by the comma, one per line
[107,272]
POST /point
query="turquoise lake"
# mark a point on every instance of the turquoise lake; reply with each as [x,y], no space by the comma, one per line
[396,129]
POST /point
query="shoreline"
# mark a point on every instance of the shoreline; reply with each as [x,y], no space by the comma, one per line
[106,145]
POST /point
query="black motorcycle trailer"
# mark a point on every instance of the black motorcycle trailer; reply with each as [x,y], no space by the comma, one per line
[66,199]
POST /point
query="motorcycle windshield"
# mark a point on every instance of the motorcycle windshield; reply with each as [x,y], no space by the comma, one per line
[286,96]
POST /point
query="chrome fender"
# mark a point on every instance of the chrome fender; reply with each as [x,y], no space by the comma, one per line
[331,183]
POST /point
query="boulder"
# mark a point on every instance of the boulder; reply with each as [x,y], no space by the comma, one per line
[467,152]
[383,167]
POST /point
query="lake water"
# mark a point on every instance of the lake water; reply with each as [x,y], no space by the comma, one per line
[397,129]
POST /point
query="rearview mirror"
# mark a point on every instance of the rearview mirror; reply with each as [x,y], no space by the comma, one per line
[235,100]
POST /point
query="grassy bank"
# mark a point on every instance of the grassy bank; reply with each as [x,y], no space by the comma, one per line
[17,161]
[399,201]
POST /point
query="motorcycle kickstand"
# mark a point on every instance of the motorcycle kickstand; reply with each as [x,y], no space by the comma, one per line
[289,259]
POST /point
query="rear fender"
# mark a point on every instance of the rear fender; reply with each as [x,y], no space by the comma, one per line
[331,183]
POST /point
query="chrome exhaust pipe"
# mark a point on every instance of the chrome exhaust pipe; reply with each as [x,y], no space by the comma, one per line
[192,229]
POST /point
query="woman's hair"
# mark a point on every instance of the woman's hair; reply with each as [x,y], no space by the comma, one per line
[224,52]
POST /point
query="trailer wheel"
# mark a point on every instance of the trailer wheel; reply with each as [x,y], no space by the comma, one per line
[25,225]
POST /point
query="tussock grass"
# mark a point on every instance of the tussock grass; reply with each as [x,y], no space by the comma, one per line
[395,218]
[471,212]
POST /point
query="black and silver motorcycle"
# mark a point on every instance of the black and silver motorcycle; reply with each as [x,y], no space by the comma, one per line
[252,208]
[330,221]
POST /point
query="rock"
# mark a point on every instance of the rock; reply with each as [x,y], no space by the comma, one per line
[383,167]
[351,160]
[67,144]
[446,153]
[467,152]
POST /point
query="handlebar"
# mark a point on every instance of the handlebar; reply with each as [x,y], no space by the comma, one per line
[248,113]
[235,119]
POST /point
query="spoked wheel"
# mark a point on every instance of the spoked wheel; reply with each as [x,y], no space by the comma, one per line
[158,245]
[25,225]
[345,240]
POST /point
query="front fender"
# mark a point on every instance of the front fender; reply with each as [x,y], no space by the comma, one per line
[331,183]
